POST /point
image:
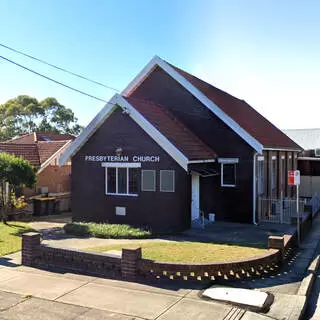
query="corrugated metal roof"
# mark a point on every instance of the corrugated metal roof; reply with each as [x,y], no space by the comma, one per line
[306,138]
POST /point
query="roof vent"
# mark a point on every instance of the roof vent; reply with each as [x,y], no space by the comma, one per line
[317,152]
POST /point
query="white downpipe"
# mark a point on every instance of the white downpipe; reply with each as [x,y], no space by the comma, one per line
[254,189]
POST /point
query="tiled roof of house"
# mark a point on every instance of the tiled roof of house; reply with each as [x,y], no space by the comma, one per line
[27,151]
[242,113]
[47,149]
[181,137]
[40,136]
[35,153]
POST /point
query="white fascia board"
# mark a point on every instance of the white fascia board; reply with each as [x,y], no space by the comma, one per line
[202,161]
[155,134]
[47,162]
[88,130]
[309,158]
[255,144]
[282,149]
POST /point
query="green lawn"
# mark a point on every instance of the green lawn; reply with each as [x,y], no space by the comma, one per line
[175,251]
[10,236]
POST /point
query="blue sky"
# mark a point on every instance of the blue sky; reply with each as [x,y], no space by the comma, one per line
[265,52]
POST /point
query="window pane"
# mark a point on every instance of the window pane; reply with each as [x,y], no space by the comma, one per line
[122,180]
[229,174]
[111,180]
[133,180]
[148,180]
[167,180]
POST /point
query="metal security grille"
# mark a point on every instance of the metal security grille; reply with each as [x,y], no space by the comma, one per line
[278,210]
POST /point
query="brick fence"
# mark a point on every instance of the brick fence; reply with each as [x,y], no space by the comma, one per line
[131,266]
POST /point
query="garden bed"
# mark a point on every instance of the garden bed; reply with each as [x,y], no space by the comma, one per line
[107,231]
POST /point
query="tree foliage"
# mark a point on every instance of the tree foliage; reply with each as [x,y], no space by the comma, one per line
[14,173]
[25,114]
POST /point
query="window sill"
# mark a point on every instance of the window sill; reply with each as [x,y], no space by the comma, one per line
[228,185]
[123,194]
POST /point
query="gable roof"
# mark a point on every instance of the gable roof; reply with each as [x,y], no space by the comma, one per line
[173,130]
[257,131]
[308,138]
[158,124]
[41,136]
[36,153]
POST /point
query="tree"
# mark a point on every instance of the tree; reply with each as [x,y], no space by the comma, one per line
[25,114]
[14,173]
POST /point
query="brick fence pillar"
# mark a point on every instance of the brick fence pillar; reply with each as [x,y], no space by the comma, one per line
[30,242]
[276,242]
[129,263]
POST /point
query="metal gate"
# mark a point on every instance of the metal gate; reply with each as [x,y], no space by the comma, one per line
[278,210]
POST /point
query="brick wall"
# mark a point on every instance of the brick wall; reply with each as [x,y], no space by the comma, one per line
[57,179]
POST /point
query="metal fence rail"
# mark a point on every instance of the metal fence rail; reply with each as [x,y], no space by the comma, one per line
[278,210]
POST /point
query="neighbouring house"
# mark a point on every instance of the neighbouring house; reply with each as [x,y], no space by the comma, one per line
[308,160]
[43,150]
[173,148]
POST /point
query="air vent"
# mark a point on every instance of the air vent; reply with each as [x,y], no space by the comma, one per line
[317,152]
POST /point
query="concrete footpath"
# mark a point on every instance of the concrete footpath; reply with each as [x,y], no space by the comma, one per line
[28,293]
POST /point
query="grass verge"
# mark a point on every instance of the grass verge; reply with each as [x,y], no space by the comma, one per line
[10,236]
[104,230]
[175,251]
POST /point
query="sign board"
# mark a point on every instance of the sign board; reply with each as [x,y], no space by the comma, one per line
[294,178]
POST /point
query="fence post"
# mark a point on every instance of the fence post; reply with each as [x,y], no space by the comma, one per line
[276,242]
[30,242]
[281,206]
[129,263]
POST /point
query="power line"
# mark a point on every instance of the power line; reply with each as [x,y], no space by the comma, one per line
[53,80]
[59,68]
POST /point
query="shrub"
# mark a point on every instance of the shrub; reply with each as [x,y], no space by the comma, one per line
[105,230]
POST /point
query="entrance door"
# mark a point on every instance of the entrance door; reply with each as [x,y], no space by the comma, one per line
[195,196]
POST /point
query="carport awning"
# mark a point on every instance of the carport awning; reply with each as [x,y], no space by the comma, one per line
[205,172]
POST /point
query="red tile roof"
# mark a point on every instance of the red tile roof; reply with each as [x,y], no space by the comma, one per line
[40,136]
[27,151]
[181,137]
[48,148]
[242,113]
[35,153]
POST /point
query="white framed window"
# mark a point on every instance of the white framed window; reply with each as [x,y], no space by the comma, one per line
[167,183]
[148,180]
[121,178]
[228,171]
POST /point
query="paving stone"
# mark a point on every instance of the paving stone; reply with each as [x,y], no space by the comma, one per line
[39,285]
[188,309]
[8,300]
[121,300]
[39,309]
